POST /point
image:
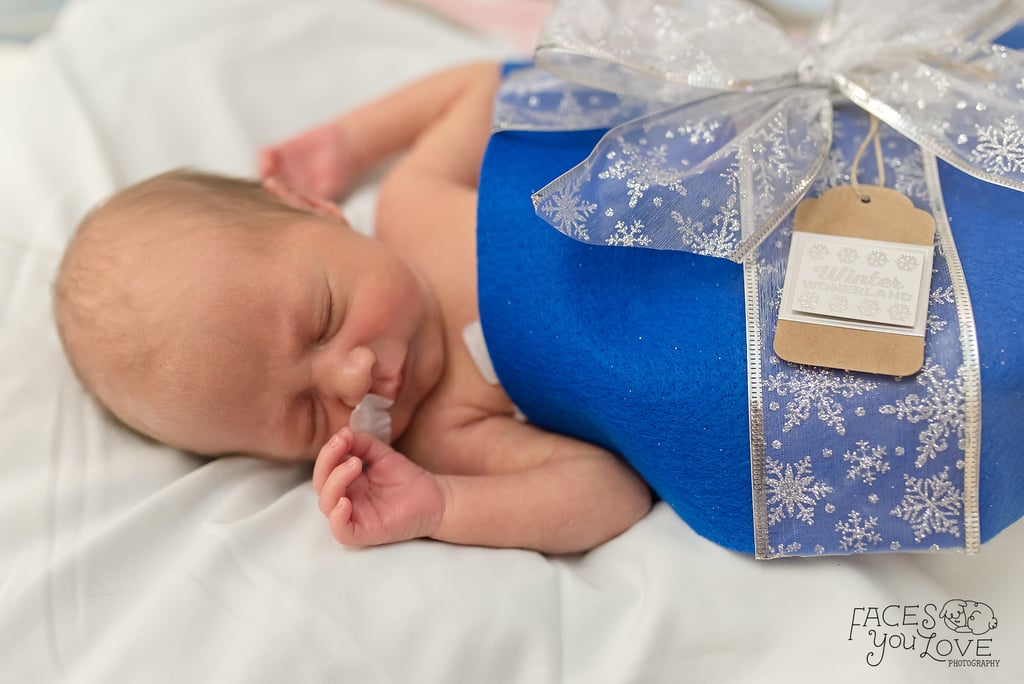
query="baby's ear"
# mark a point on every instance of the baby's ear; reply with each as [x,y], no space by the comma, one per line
[300,200]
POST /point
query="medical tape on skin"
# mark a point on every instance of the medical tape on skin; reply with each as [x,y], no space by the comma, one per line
[371,416]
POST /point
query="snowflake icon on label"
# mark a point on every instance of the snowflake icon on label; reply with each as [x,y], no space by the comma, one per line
[839,304]
[818,251]
[869,307]
[809,300]
[899,311]
[906,262]
[877,258]
[847,255]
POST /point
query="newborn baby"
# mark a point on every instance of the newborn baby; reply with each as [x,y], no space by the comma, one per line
[229,316]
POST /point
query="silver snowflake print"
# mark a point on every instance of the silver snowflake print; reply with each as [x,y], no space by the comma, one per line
[931,505]
[769,158]
[867,462]
[570,108]
[835,171]
[566,209]
[942,295]
[536,97]
[817,389]
[628,235]
[701,131]
[792,492]
[855,533]
[942,409]
[784,550]
[583,108]
[909,172]
[938,298]
[642,166]
[1000,148]
[727,224]
[936,323]
[717,242]
[771,271]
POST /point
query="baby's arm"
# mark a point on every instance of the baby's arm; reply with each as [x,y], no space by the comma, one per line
[570,497]
[323,160]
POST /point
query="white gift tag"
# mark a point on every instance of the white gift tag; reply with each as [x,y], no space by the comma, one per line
[857,283]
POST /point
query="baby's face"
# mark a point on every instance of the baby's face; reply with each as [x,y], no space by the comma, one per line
[274,349]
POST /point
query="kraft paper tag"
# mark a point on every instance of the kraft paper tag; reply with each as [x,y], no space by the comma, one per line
[857,283]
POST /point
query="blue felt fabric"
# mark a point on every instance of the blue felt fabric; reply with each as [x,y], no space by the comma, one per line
[581,348]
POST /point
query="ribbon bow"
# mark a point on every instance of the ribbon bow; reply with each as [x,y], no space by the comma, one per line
[720,122]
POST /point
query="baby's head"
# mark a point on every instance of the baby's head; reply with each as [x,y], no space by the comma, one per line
[206,312]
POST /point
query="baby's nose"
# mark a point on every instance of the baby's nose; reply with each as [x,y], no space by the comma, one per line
[350,378]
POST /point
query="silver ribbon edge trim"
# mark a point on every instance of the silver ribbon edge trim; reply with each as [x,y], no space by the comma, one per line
[755,399]
[971,356]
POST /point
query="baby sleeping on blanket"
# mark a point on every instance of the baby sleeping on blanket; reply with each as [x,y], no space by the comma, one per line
[227,316]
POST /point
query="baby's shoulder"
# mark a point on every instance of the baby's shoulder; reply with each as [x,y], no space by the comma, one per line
[465,397]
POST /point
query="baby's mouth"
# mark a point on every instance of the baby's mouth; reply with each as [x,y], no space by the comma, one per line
[371,416]
[392,386]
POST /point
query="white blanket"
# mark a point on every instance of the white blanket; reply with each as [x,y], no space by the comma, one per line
[125,561]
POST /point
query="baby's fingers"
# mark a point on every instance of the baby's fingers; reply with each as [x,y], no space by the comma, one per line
[331,455]
[337,484]
[369,448]
[269,162]
[340,519]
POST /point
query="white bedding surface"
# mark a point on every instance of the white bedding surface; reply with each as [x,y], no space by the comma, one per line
[13,61]
[124,561]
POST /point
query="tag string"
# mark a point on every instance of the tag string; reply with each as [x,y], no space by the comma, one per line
[877,139]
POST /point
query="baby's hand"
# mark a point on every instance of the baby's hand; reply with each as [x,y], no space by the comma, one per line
[318,162]
[371,494]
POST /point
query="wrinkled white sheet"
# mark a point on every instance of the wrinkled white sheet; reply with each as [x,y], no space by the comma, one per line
[123,561]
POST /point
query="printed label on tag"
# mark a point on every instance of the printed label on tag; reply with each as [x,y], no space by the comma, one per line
[857,283]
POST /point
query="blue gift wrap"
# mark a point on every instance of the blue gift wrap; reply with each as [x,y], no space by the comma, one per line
[584,347]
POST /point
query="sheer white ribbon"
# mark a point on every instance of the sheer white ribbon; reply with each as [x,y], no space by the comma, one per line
[720,121]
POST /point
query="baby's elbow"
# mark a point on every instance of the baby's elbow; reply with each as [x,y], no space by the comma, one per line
[642,499]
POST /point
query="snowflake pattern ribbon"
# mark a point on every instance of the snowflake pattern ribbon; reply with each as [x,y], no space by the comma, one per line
[720,122]
[852,462]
